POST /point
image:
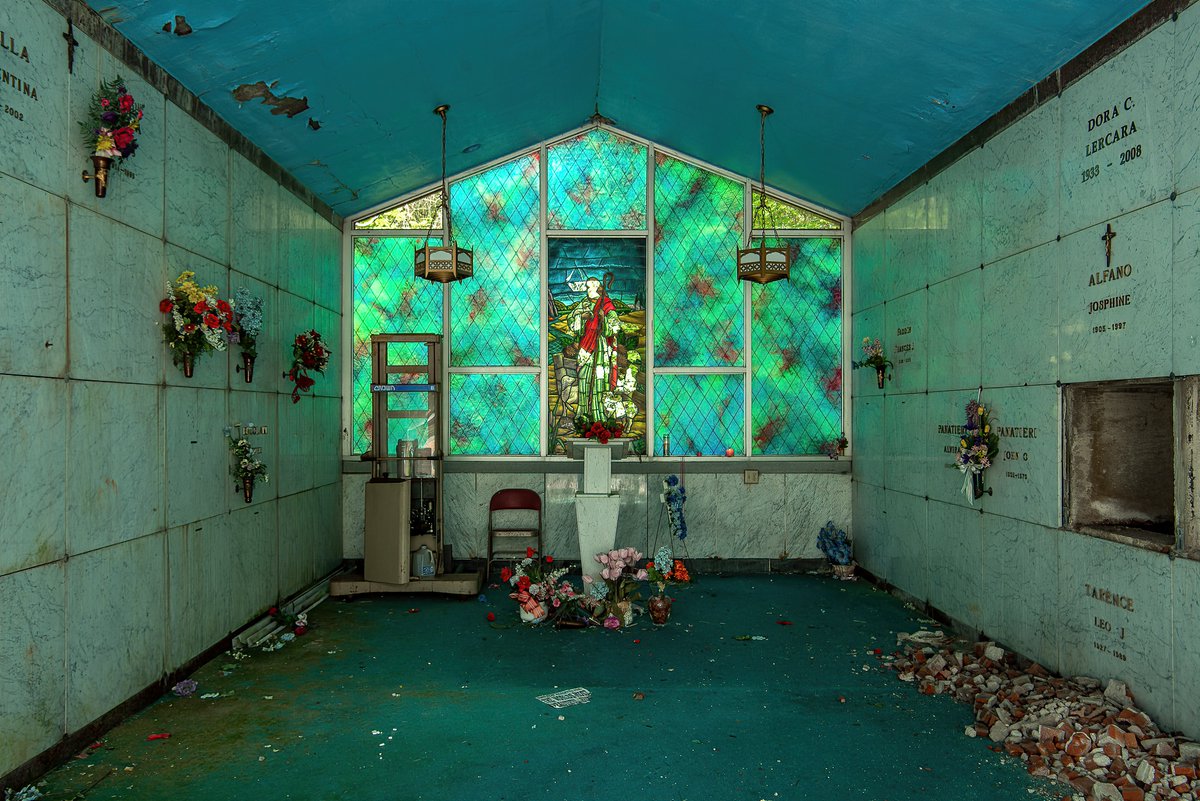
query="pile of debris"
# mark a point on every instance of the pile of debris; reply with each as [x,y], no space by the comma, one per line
[1094,739]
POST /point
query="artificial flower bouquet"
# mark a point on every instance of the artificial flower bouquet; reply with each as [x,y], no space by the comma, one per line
[872,355]
[199,320]
[600,430]
[539,589]
[664,570]
[977,446]
[610,600]
[835,447]
[309,352]
[834,543]
[112,123]
[246,464]
[247,321]
[673,497]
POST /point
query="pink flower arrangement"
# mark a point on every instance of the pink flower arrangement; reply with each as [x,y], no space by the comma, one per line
[611,600]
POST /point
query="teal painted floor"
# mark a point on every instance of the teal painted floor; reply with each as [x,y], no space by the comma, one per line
[377,702]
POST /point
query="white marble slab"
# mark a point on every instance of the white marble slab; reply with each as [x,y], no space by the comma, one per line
[1101,343]
[33,273]
[1019,181]
[252,548]
[906,562]
[197,187]
[868,440]
[32,657]
[906,458]
[1185,642]
[1019,589]
[1019,313]
[32,509]
[116,625]
[354,515]
[954,219]
[297,260]
[327,456]
[115,458]
[868,324]
[1186,90]
[907,245]
[198,482]
[1118,133]
[955,554]
[114,266]
[327,543]
[211,369]
[254,218]
[1026,478]
[299,531]
[329,325]
[296,445]
[955,334]
[35,131]
[199,564]
[1185,285]
[329,265]
[906,339]
[871,543]
[812,500]
[870,265]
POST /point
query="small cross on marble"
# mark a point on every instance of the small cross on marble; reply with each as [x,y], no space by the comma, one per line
[72,43]
[1108,237]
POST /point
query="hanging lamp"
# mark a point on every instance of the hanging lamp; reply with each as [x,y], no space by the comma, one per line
[447,262]
[762,264]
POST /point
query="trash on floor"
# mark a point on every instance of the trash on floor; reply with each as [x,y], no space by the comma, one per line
[184,688]
[565,698]
[748,637]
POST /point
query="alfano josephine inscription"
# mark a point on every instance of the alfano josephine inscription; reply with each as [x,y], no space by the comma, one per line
[1109,140]
[15,67]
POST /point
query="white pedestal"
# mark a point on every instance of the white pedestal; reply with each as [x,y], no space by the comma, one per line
[597,470]
[596,519]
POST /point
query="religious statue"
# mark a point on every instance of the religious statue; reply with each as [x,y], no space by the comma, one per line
[597,323]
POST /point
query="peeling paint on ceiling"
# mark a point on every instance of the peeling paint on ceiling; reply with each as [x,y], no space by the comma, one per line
[865,91]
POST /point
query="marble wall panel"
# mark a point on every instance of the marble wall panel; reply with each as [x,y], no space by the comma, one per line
[135,188]
[1127,341]
[488,484]
[906,459]
[327,457]
[115,267]
[907,245]
[256,409]
[198,484]
[31,661]
[197,187]
[1186,90]
[34,133]
[906,560]
[1185,285]
[253,583]
[297,251]
[296,443]
[354,512]
[329,266]
[1019,587]
[200,581]
[954,219]
[750,520]
[870,263]
[906,342]
[32,510]
[1026,478]
[1099,634]
[868,441]
[1020,318]
[115,452]
[1117,134]
[869,535]
[329,325]
[267,368]
[254,241]
[1185,612]
[116,629]
[955,552]
[707,533]
[945,413]
[812,500]
[1019,169]
[954,342]
[296,315]
[868,324]
[297,533]
[32,276]
[327,541]
[211,369]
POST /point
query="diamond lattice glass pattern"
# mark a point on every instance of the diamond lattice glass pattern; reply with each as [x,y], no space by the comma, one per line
[494,317]
[796,329]
[596,181]
[779,214]
[388,299]
[421,214]
[495,414]
[698,300]
[703,414]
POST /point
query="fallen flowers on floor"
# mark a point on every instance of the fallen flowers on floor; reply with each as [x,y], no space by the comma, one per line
[1075,730]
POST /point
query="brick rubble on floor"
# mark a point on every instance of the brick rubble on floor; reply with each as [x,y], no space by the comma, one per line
[1066,729]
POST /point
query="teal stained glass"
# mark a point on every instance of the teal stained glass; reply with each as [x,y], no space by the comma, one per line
[796,328]
[495,414]
[495,316]
[596,181]
[698,300]
[703,414]
[388,299]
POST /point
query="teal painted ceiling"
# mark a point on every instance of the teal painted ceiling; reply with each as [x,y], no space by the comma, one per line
[865,91]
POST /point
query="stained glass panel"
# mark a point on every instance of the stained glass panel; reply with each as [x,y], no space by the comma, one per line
[596,181]
[597,334]
[698,306]
[495,316]
[796,380]
[703,414]
[779,214]
[495,414]
[388,299]
[421,214]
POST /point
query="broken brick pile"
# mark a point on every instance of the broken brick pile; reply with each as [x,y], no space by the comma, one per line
[1067,729]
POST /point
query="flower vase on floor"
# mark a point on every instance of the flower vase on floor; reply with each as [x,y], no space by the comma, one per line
[660,609]
[843,571]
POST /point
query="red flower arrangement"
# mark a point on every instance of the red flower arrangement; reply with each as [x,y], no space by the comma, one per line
[308,353]
[601,430]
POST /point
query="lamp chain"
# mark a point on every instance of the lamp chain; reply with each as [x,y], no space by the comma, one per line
[445,192]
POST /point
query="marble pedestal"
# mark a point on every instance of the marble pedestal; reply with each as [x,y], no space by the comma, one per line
[596,507]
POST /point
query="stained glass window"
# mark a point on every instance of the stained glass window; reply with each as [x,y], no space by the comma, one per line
[596,181]
[388,299]
[779,214]
[495,414]
[698,300]
[796,381]
[421,214]
[704,415]
[495,317]
[597,334]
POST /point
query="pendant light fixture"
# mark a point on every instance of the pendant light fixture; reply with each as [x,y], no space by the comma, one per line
[447,262]
[762,264]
